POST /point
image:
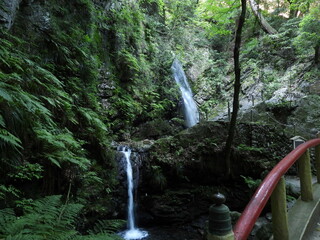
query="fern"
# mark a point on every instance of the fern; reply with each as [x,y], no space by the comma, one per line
[23,237]
[61,146]
[49,113]
[5,94]
[2,123]
[7,217]
[49,219]
[102,236]
[108,226]
[8,138]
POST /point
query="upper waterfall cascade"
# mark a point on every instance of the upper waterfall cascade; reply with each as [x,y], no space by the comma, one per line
[190,109]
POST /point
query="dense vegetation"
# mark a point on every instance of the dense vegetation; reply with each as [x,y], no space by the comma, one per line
[76,75]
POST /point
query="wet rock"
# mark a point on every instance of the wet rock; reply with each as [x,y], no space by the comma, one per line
[8,11]
[176,207]
[158,129]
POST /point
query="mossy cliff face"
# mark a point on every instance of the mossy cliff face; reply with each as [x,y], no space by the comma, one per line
[183,171]
[201,148]
[55,136]
[54,129]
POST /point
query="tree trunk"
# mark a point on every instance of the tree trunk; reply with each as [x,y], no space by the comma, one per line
[263,22]
[237,88]
[292,12]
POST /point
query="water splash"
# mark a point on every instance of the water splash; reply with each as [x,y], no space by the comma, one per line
[190,109]
[132,233]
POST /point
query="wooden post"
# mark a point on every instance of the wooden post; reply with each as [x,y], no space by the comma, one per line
[317,160]
[279,212]
[229,112]
[305,177]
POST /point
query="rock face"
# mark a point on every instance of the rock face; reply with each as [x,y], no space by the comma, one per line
[182,172]
[8,10]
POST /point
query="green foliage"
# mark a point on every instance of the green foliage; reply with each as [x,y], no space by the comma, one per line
[243,147]
[27,171]
[143,89]
[50,112]
[219,16]
[158,179]
[108,226]
[46,218]
[61,147]
[251,183]
[101,236]
[290,198]
[309,31]
[302,6]
[8,191]
[179,12]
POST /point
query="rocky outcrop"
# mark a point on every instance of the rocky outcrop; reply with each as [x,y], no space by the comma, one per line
[197,153]
[182,172]
[8,11]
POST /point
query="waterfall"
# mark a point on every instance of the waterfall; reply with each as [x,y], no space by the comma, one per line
[132,232]
[190,110]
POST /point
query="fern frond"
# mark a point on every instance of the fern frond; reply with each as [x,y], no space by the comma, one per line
[5,190]
[92,118]
[8,138]
[5,95]
[2,123]
[101,236]
[62,147]
[23,237]
[68,214]
[46,218]
[7,217]
[108,226]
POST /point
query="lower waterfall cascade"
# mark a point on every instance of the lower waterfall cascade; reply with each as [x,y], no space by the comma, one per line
[132,233]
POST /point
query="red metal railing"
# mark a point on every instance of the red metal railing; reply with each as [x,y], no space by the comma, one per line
[252,211]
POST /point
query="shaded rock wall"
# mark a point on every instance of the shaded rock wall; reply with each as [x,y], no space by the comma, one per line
[8,11]
[182,172]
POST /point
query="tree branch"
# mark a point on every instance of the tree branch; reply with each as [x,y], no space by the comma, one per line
[263,22]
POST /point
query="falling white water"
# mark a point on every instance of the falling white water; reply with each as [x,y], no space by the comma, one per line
[132,233]
[190,110]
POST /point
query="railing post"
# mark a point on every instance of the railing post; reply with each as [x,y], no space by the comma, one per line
[305,177]
[279,212]
[220,227]
[317,160]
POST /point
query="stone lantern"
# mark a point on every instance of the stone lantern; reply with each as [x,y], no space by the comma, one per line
[297,140]
[220,227]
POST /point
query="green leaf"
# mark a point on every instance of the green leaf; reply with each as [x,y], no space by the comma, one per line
[9,138]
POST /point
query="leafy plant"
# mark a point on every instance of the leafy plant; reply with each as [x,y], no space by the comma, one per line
[108,226]
[243,147]
[45,218]
[251,183]
[219,16]
[158,178]
[27,171]
[309,32]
